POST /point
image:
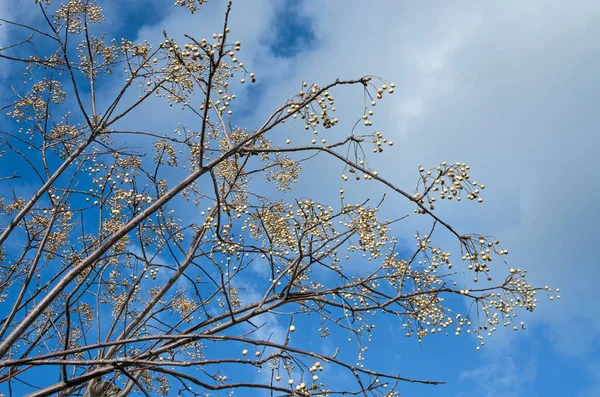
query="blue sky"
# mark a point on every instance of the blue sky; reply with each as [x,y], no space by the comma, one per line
[510,88]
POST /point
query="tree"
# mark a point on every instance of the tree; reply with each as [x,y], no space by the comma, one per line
[162,271]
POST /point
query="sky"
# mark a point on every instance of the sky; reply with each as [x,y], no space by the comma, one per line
[510,88]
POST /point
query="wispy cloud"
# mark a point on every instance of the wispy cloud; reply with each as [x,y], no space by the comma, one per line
[500,377]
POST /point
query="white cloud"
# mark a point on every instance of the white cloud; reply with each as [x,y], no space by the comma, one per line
[502,377]
[408,109]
